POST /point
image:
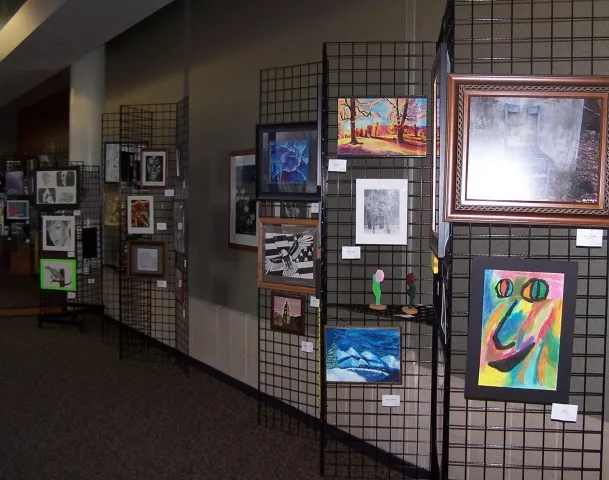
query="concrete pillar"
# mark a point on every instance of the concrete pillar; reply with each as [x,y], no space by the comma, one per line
[87,99]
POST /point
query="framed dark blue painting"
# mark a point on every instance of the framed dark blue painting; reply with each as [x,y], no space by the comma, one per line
[287,162]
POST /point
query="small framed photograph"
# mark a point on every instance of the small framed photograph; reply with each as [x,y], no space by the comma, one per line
[57,188]
[180,234]
[58,274]
[287,162]
[112,208]
[439,228]
[58,233]
[154,168]
[288,313]
[363,354]
[140,214]
[243,219]
[520,333]
[527,149]
[146,258]
[381,211]
[287,249]
[17,209]
[382,127]
[13,181]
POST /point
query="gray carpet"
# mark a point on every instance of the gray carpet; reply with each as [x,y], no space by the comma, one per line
[71,410]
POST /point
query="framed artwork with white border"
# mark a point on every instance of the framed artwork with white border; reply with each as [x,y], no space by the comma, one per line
[243,208]
[58,233]
[140,214]
[381,211]
[57,188]
[153,168]
[17,209]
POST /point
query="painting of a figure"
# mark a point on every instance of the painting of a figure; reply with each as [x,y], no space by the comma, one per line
[290,162]
[382,127]
[522,329]
[363,354]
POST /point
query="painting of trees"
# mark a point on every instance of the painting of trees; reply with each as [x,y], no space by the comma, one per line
[382,126]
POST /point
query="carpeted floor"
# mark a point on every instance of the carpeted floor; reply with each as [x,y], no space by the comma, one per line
[71,410]
[18,291]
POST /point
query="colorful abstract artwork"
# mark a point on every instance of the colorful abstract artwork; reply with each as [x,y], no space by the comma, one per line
[522,327]
[363,354]
[382,127]
[290,161]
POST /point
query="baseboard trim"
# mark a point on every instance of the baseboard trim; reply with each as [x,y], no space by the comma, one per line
[384,458]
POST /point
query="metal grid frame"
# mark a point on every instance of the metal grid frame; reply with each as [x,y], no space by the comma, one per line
[147,305]
[518,440]
[361,438]
[287,376]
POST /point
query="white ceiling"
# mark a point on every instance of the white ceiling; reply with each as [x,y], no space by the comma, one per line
[45,36]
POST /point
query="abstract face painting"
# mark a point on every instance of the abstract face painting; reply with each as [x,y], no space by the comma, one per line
[521,329]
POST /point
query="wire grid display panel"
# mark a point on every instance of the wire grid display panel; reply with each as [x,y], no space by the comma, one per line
[403,435]
[147,305]
[287,376]
[181,253]
[111,238]
[519,440]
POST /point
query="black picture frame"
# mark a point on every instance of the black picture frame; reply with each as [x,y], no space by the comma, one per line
[266,189]
[46,207]
[521,293]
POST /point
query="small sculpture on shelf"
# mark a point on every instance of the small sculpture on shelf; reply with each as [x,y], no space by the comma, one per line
[377,278]
[411,291]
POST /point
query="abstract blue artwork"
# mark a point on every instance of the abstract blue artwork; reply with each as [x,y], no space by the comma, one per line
[289,162]
[363,355]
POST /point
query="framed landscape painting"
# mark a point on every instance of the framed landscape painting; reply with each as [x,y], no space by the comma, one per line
[57,188]
[527,149]
[439,228]
[381,211]
[520,334]
[288,313]
[363,354]
[382,127]
[287,162]
[243,217]
[58,274]
[287,249]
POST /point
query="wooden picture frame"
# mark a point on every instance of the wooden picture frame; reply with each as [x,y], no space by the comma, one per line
[300,179]
[242,204]
[288,313]
[528,149]
[288,247]
[153,168]
[439,229]
[520,333]
[134,266]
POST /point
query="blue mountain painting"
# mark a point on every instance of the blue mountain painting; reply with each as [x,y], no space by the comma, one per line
[289,162]
[364,355]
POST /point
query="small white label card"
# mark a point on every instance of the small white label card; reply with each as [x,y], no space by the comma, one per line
[86,269]
[589,238]
[71,254]
[71,295]
[315,207]
[184,263]
[307,347]
[314,301]
[184,313]
[352,253]
[27,240]
[180,226]
[564,413]
[337,165]
[76,213]
[390,400]
[161,226]
[161,283]
[91,281]
[169,192]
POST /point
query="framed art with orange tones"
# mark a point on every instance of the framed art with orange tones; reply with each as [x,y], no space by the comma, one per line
[527,149]
[140,214]
[520,334]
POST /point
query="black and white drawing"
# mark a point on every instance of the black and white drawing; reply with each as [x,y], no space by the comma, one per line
[58,233]
[112,162]
[154,168]
[147,260]
[382,211]
[56,188]
[289,255]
